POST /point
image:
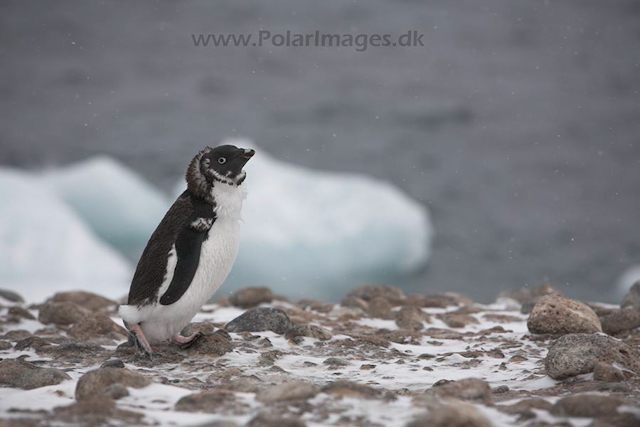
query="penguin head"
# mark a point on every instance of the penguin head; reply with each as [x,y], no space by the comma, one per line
[211,166]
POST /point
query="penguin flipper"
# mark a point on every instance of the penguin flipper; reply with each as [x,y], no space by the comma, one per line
[188,246]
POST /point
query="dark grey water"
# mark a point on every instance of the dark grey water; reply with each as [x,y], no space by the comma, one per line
[518,124]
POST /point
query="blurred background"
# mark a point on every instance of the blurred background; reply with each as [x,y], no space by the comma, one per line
[509,144]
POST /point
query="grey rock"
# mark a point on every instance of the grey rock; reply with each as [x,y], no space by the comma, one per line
[336,362]
[20,313]
[115,391]
[24,375]
[97,325]
[368,292]
[215,344]
[93,383]
[607,373]
[88,300]
[380,308]
[312,331]
[210,401]
[470,389]
[289,391]
[459,415]
[349,388]
[576,354]
[251,297]
[275,420]
[409,318]
[33,342]
[11,296]
[587,405]
[113,363]
[61,313]
[632,299]
[622,320]
[555,314]
[260,319]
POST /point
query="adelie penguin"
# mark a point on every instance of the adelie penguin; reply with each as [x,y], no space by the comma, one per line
[191,252]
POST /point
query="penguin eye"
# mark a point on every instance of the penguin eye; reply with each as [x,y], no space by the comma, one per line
[222,160]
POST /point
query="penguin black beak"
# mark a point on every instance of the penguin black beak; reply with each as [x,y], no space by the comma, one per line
[247,154]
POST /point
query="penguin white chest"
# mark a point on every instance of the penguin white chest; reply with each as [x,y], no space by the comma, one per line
[217,255]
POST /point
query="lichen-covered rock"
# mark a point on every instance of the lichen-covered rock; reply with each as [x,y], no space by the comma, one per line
[260,319]
[296,390]
[94,383]
[409,318]
[555,314]
[84,299]
[96,325]
[61,313]
[622,320]
[251,297]
[632,299]
[368,292]
[607,373]
[470,389]
[587,405]
[577,354]
[19,374]
[459,415]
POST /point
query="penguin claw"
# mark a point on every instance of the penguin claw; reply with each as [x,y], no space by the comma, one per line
[191,342]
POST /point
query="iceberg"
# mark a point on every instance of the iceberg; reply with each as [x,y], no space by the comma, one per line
[309,233]
[628,278]
[118,205]
[45,247]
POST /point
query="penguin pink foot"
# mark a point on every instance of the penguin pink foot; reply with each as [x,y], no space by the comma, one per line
[186,342]
[141,340]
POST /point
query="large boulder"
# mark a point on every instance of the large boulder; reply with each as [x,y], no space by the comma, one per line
[555,314]
[577,354]
[24,375]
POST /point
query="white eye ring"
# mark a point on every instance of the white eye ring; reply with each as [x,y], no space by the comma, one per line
[222,160]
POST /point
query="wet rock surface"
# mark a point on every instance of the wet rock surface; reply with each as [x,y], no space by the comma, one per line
[379,358]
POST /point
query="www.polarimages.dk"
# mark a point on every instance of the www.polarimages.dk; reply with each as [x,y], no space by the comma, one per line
[361,42]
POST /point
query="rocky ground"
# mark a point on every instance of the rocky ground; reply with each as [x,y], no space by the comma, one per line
[379,358]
